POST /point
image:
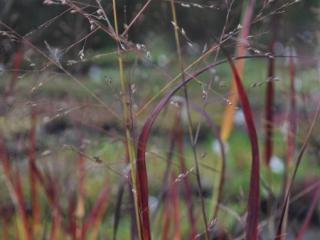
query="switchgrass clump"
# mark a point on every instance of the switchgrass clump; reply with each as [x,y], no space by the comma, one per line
[153,141]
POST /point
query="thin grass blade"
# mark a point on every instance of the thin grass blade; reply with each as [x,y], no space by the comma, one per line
[254,192]
[165,220]
[117,211]
[216,133]
[32,177]
[312,208]
[268,150]
[292,112]
[166,176]
[279,235]
[95,216]
[186,183]
[175,208]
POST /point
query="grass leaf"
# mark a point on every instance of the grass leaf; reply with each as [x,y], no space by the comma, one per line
[254,192]
[227,122]
[268,109]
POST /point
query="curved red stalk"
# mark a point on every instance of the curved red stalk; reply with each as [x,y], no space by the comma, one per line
[142,178]
[254,195]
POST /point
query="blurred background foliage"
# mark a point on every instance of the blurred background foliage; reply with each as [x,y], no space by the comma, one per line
[299,24]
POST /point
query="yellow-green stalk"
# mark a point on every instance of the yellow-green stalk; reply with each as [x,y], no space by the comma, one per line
[127,120]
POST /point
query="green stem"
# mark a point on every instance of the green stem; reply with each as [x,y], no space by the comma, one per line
[127,119]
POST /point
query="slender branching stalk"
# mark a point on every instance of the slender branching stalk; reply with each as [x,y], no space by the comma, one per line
[190,128]
[127,119]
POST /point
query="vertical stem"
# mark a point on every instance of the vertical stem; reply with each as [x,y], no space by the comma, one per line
[178,45]
[183,168]
[291,135]
[128,122]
